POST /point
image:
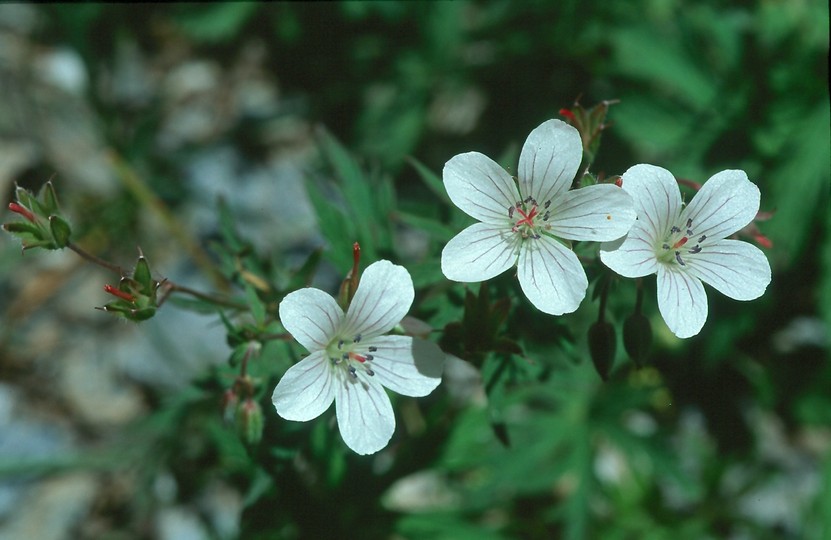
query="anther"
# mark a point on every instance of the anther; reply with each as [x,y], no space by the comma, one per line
[345,356]
[678,258]
[546,216]
[535,236]
[511,212]
[369,357]
[340,344]
[695,249]
[666,247]
[372,348]
[689,223]
[357,339]
[703,237]
[674,229]
[547,204]
[353,371]
[528,199]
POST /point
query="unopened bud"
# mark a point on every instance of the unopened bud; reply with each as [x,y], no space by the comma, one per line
[602,347]
[229,404]
[17,209]
[250,421]
[637,338]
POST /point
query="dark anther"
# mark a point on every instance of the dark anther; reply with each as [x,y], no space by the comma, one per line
[696,249]
[547,204]
[665,246]
[689,223]
[370,372]
[372,348]
[510,211]
[536,236]
[345,356]
[340,344]
[674,229]
[352,371]
[528,199]
[546,216]
[357,339]
[703,237]
[369,357]
[678,258]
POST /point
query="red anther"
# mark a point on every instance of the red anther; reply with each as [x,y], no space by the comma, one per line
[619,181]
[680,243]
[567,113]
[119,293]
[17,209]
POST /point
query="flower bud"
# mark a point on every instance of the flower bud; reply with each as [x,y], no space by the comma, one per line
[229,404]
[602,347]
[637,338]
[250,421]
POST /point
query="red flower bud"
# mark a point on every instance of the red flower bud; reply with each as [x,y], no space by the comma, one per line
[17,209]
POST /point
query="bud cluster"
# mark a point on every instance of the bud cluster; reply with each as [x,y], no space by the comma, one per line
[42,226]
[136,297]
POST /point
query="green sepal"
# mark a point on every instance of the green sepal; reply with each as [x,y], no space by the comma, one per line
[143,277]
[22,227]
[60,231]
[49,198]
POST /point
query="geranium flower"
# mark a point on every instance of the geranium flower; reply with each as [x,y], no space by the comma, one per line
[687,246]
[351,360]
[525,226]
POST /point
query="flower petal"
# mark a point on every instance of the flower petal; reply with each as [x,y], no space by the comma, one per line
[681,300]
[657,198]
[734,268]
[727,202]
[480,187]
[306,390]
[311,316]
[634,256]
[385,294]
[597,213]
[365,417]
[551,276]
[549,160]
[411,367]
[480,252]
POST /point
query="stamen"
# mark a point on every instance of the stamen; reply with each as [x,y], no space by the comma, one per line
[527,200]
[535,236]
[689,223]
[345,356]
[680,243]
[511,212]
[340,344]
[703,237]
[353,372]
[678,258]
[546,216]
[666,247]
[674,229]
[357,339]
[369,357]
[689,232]
[547,204]
[372,348]
[370,372]
[695,249]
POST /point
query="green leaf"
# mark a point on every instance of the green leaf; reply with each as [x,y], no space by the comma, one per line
[256,305]
[437,230]
[212,23]
[430,179]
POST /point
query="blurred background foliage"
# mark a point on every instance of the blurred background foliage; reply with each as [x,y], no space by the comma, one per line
[725,435]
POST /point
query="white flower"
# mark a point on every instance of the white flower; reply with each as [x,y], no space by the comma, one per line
[350,359]
[523,226]
[687,246]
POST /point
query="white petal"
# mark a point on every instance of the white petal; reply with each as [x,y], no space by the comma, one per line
[385,294]
[549,160]
[634,257]
[311,316]
[411,367]
[734,268]
[681,300]
[365,417]
[306,390]
[551,276]
[657,198]
[480,187]
[479,252]
[597,213]
[727,202]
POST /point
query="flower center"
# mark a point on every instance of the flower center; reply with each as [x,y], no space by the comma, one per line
[349,355]
[676,239]
[528,218]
